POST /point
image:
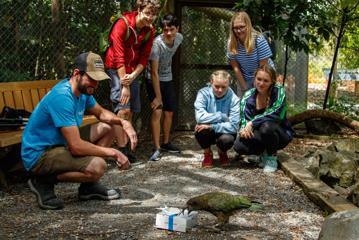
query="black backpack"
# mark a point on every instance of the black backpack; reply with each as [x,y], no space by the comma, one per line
[270,40]
[13,119]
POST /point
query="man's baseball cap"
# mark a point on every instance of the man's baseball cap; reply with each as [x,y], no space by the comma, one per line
[92,64]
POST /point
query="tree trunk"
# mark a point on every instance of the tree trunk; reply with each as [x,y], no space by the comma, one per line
[169,6]
[17,44]
[310,114]
[344,21]
[58,37]
[286,58]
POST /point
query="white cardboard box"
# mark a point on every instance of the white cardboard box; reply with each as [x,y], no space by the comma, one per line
[170,219]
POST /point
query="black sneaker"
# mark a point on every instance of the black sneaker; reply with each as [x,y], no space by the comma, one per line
[45,194]
[88,191]
[155,156]
[129,154]
[169,147]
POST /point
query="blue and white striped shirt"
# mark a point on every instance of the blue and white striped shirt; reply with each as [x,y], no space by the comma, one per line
[249,62]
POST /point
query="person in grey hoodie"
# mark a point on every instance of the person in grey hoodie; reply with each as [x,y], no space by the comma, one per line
[217,117]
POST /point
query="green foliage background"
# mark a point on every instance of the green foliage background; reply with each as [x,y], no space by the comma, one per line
[33,45]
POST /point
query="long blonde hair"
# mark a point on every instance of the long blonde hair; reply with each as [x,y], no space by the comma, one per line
[249,42]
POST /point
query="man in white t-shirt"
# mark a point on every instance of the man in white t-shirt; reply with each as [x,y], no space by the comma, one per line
[160,86]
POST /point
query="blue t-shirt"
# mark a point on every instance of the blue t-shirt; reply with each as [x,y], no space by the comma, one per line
[249,62]
[59,108]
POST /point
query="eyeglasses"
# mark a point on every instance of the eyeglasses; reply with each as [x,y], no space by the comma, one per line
[239,28]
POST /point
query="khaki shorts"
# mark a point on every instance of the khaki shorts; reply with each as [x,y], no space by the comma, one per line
[58,160]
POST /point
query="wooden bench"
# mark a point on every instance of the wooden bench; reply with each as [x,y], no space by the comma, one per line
[26,95]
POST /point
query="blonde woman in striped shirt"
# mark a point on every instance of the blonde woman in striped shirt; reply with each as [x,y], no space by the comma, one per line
[247,50]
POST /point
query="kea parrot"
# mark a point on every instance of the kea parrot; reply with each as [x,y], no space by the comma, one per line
[221,204]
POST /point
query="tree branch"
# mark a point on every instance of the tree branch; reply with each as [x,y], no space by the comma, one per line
[317,113]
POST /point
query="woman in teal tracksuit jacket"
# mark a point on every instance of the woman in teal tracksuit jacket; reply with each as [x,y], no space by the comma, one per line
[264,128]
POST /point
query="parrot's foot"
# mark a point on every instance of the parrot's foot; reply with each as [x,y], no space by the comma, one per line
[221,227]
[213,229]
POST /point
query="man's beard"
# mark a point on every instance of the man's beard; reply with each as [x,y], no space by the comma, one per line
[83,88]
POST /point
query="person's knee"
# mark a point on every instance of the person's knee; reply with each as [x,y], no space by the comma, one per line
[104,129]
[156,114]
[96,169]
[124,113]
[238,147]
[267,128]
[204,138]
[200,136]
[168,114]
[225,142]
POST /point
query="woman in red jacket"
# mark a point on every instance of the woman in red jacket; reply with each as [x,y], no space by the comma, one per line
[131,40]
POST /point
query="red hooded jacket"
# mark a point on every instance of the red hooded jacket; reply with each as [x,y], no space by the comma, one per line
[132,52]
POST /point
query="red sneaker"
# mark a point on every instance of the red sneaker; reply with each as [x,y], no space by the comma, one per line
[207,160]
[224,160]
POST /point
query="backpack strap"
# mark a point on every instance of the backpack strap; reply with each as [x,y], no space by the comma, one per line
[147,36]
[126,22]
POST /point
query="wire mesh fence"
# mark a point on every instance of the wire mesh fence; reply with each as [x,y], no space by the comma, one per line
[204,50]
[40,39]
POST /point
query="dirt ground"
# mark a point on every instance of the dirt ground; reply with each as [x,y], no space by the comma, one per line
[287,212]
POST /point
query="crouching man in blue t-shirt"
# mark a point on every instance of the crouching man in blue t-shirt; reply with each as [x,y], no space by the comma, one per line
[52,149]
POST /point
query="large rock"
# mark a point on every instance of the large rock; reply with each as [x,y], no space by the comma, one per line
[341,225]
[334,167]
[338,164]
[350,145]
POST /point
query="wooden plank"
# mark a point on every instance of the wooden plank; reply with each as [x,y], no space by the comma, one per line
[9,99]
[14,137]
[319,192]
[89,119]
[19,103]
[42,93]
[356,88]
[34,97]
[24,85]
[27,100]
[2,103]
[10,138]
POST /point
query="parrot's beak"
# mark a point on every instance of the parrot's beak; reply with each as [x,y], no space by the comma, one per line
[184,209]
[189,209]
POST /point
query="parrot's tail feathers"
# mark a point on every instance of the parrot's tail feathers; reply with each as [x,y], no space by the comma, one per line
[256,206]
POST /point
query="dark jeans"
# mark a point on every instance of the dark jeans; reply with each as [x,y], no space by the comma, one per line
[206,138]
[268,137]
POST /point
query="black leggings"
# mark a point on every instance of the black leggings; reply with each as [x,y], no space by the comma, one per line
[268,137]
[207,137]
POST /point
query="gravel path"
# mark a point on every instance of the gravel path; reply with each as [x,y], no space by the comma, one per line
[287,213]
